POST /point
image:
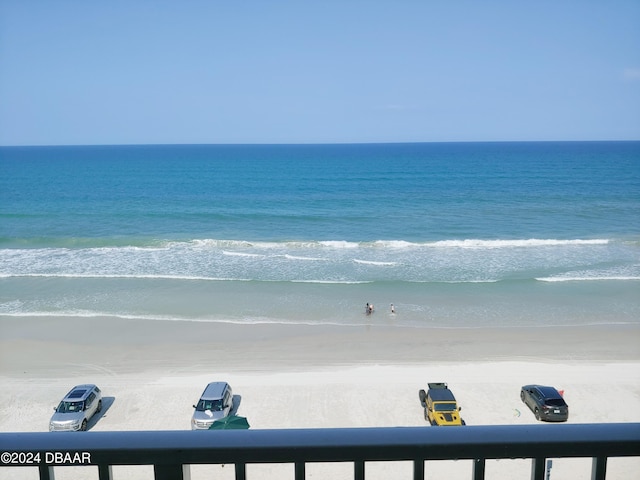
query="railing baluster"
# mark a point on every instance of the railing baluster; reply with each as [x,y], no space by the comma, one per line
[538,468]
[358,470]
[478,468]
[418,469]
[46,472]
[172,471]
[104,472]
[300,470]
[241,471]
[599,468]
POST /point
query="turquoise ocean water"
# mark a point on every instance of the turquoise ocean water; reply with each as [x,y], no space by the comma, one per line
[453,234]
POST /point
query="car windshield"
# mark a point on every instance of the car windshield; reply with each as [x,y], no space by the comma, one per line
[445,407]
[554,402]
[213,405]
[70,407]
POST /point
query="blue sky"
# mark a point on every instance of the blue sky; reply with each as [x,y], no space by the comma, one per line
[141,72]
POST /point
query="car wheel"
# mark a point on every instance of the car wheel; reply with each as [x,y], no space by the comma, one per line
[522,396]
[99,406]
[83,427]
[426,415]
[423,396]
[537,414]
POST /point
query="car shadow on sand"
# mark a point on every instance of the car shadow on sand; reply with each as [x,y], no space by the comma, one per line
[106,405]
[237,400]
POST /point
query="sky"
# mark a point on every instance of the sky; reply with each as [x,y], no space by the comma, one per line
[220,71]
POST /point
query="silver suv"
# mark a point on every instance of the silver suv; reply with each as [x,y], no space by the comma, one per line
[216,402]
[76,409]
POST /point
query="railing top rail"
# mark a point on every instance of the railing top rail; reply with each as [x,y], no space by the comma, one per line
[345,444]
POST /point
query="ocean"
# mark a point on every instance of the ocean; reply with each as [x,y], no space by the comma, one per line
[452,234]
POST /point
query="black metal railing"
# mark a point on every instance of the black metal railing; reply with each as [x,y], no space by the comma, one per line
[172,452]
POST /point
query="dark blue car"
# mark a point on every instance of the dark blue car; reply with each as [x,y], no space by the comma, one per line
[546,403]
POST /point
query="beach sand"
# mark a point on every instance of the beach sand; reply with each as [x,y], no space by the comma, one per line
[283,376]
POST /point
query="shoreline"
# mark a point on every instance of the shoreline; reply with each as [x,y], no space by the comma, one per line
[125,345]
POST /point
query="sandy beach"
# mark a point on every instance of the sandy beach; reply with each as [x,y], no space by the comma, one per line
[151,372]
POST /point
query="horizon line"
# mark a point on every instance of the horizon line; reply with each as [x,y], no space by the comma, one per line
[306,143]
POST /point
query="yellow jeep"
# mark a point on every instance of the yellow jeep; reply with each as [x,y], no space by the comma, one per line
[440,406]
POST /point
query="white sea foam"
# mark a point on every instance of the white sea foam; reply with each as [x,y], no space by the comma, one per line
[241,254]
[398,244]
[532,242]
[339,244]
[126,276]
[371,262]
[333,282]
[264,245]
[215,243]
[402,244]
[587,279]
[450,261]
[312,259]
[257,320]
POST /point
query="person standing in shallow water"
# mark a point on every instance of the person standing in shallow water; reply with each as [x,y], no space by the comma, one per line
[366,309]
[370,307]
[393,309]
